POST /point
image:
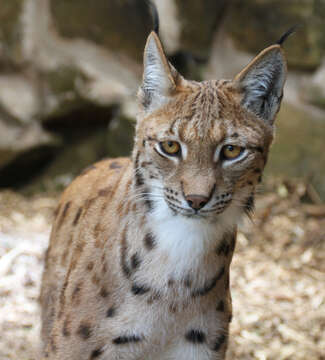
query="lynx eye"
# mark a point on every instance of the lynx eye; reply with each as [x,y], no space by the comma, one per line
[230,152]
[170,147]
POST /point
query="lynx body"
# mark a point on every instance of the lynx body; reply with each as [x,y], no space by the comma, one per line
[139,256]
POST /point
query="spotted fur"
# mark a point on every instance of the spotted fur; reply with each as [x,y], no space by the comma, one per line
[142,273]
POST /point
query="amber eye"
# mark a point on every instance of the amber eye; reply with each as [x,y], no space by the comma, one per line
[229,152]
[170,147]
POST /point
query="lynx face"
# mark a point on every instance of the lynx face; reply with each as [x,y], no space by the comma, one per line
[201,147]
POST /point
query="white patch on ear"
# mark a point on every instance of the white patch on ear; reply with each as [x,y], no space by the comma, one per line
[262,82]
[158,81]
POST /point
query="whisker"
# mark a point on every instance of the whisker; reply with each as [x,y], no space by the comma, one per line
[178,207]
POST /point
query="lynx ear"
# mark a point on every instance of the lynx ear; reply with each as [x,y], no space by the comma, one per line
[262,83]
[159,77]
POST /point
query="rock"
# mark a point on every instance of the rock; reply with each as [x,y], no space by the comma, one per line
[66,66]
[11,33]
[255,24]
[45,77]
[199,20]
[62,90]
[315,89]
[298,149]
[19,97]
[75,156]
[16,140]
[119,139]
[120,26]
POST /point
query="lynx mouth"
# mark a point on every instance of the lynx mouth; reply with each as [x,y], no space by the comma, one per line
[191,213]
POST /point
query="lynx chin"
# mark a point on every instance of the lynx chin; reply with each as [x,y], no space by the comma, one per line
[140,250]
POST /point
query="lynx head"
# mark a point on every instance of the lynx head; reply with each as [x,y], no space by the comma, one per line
[201,147]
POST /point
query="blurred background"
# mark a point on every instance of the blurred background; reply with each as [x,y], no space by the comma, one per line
[69,73]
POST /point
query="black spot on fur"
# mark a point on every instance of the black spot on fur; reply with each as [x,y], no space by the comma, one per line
[147,201]
[135,261]
[223,247]
[154,297]
[84,331]
[126,269]
[221,339]
[96,353]
[139,289]
[65,330]
[209,285]
[64,213]
[171,282]
[105,191]
[195,336]
[111,312]
[149,241]
[124,247]
[76,291]
[139,180]
[120,340]
[77,217]
[90,266]
[103,292]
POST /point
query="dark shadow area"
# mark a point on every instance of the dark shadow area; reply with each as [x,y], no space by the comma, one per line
[29,164]
[79,127]
[81,122]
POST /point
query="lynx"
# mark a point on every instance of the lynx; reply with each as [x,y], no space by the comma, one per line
[140,250]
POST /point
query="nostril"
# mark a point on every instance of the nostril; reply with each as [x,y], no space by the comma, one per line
[202,203]
[196,202]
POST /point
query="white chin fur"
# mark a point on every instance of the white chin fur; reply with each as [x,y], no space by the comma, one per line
[187,240]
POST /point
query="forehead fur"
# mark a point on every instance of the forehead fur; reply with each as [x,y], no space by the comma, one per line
[208,111]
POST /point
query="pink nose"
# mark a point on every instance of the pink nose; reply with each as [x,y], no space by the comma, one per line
[196,202]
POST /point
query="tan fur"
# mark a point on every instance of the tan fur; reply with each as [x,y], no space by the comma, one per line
[112,288]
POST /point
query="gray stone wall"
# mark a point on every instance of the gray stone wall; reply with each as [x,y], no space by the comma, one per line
[60,60]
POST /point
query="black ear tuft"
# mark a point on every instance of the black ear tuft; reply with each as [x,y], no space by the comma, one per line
[155,16]
[289,32]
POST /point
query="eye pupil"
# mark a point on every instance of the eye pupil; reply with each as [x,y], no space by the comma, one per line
[230,148]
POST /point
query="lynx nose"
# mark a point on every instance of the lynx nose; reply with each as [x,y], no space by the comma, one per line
[196,202]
